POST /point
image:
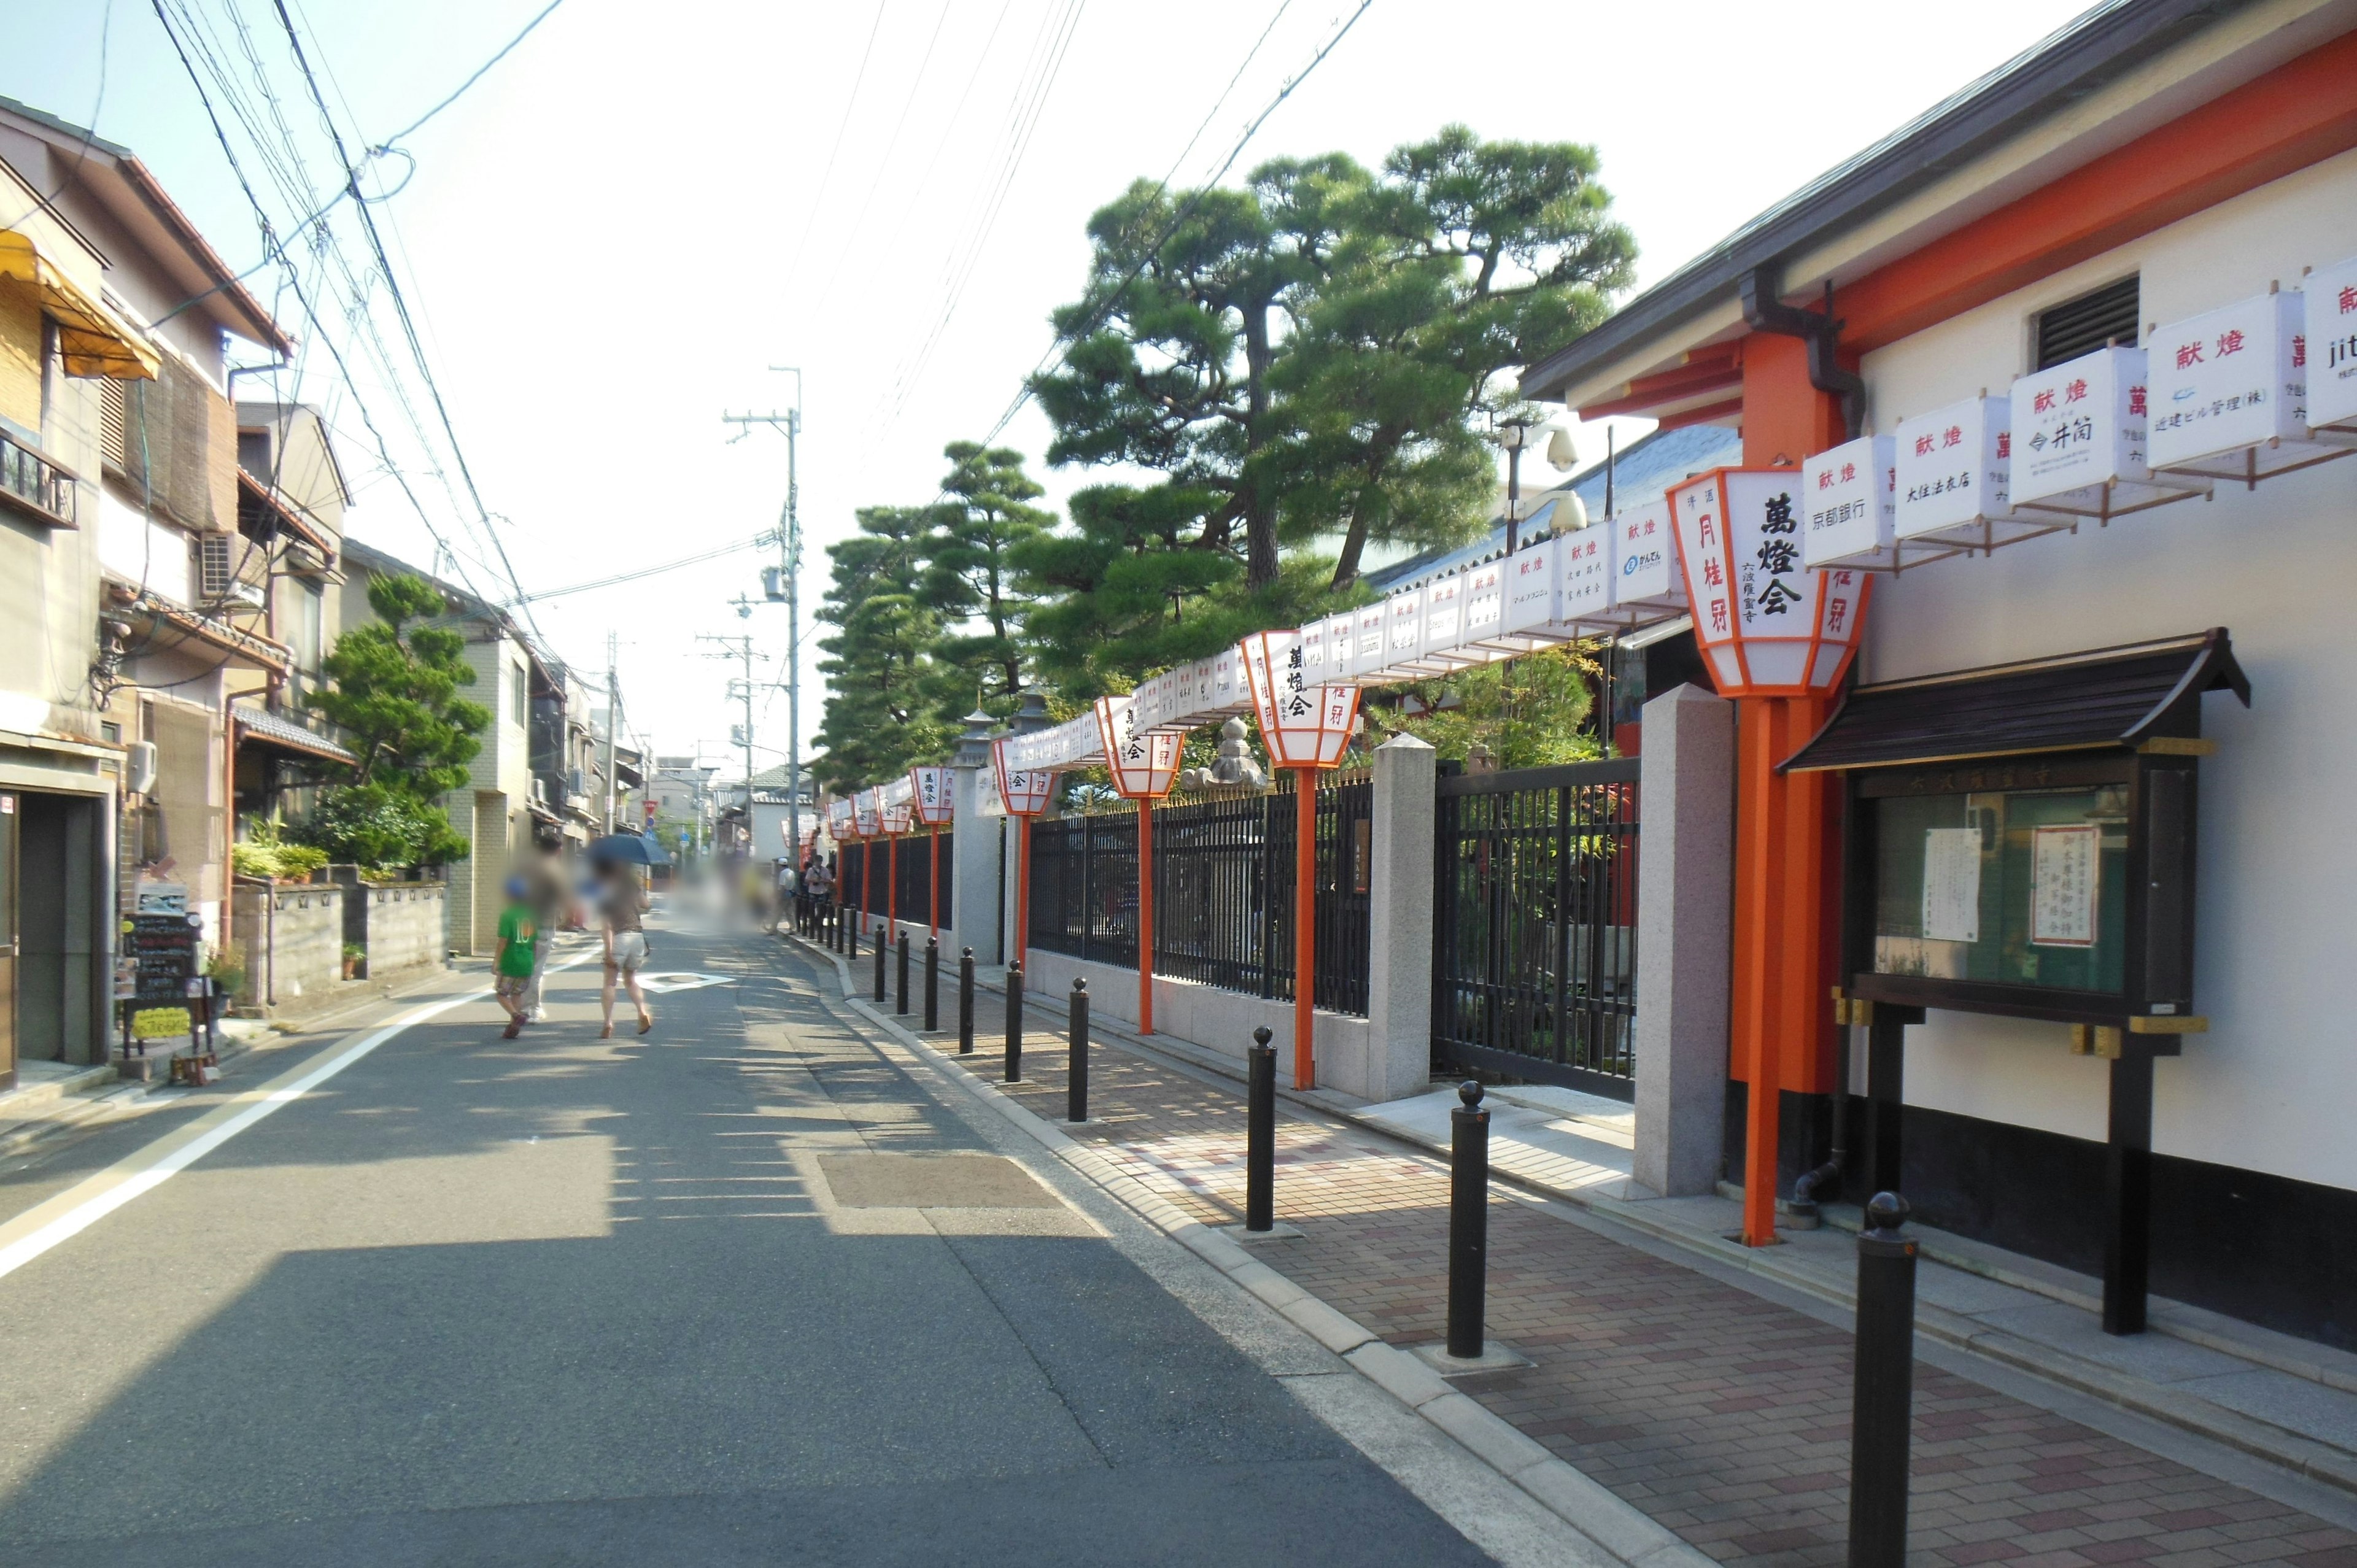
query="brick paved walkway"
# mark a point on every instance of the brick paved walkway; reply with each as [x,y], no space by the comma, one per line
[1722,1415]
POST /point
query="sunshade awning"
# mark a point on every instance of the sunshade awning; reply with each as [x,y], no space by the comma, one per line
[2104,698]
[92,339]
[286,735]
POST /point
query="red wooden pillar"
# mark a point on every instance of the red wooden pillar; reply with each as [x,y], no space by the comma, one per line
[1023,894]
[933,913]
[1304,923]
[892,886]
[1146,917]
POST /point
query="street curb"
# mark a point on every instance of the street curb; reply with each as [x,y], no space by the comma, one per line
[1617,1527]
[2252,1436]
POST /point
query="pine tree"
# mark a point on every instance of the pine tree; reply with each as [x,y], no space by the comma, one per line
[887,691]
[968,578]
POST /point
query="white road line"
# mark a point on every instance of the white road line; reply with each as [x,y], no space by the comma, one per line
[91,1199]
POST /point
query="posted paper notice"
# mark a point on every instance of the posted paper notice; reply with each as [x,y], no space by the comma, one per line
[2064,864]
[1951,885]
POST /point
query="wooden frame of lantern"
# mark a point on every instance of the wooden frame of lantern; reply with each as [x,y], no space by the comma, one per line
[1024,791]
[1777,637]
[1307,729]
[1144,764]
[2078,440]
[868,826]
[934,806]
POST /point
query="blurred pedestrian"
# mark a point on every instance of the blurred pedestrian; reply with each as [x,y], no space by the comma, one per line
[621,902]
[518,955]
[544,883]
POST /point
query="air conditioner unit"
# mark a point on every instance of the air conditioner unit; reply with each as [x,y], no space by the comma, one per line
[215,566]
[139,766]
[249,594]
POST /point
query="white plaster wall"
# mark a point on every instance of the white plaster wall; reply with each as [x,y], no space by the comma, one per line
[2273,1086]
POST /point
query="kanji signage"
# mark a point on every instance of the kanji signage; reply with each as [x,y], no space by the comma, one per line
[898,799]
[1849,498]
[1766,625]
[2079,434]
[1530,613]
[868,814]
[1303,725]
[1022,791]
[1441,645]
[1369,636]
[1143,762]
[1583,568]
[1313,651]
[1953,486]
[2230,392]
[1403,632]
[2330,349]
[1647,584]
[1485,605]
[935,804]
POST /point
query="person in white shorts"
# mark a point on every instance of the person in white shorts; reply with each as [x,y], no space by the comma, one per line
[621,902]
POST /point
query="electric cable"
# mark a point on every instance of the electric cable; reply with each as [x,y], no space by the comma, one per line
[459,92]
[851,106]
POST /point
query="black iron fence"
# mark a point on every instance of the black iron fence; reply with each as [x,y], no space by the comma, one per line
[1222,891]
[1534,952]
[916,878]
[913,866]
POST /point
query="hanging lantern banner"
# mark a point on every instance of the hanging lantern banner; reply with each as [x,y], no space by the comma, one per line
[1022,791]
[1072,744]
[1530,609]
[1370,638]
[2078,440]
[1144,762]
[868,814]
[1485,607]
[1301,724]
[1403,630]
[2230,393]
[838,819]
[1440,646]
[1648,584]
[1767,626]
[1850,501]
[1953,478]
[1313,652]
[900,798]
[1584,569]
[936,805]
[1229,693]
[987,800]
[2329,356]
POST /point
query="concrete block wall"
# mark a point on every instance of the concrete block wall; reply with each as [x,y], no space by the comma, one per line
[294,940]
[405,931]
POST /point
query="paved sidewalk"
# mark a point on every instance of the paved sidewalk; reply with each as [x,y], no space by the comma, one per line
[1722,1415]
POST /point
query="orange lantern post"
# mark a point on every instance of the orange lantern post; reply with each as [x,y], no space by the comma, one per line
[1144,764]
[935,807]
[1025,792]
[1777,638]
[1307,728]
[867,822]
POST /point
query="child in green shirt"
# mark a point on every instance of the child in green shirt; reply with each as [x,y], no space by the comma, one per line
[519,945]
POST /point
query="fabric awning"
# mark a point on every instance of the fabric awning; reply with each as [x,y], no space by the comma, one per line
[286,735]
[2107,697]
[92,339]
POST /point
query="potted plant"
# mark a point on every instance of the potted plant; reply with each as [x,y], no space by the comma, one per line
[355,962]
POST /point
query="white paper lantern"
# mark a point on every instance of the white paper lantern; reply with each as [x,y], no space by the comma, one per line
[1022,791]
[2329,356]
[1440,645]
[1302,725]
[2079,432]
[1584,571]
[1144,762]
[1952,472]
[1849,497]
[1647,585]
[1767,626]
[936,803]
[1485,608]
[868,814]
[2229,398]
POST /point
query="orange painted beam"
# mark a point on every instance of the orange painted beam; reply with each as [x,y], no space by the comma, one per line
[2301,113]
[1305,924]
[1145,915]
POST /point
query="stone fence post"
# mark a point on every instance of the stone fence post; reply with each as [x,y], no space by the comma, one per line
[973,877]
[1399,920]
[1684,949]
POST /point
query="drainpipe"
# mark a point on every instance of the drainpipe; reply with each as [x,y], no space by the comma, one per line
[1824,1177]
[1764,310]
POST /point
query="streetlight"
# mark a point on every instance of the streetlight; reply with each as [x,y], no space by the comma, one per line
[1515,434]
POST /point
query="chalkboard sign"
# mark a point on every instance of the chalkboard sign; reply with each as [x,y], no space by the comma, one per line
[163,953]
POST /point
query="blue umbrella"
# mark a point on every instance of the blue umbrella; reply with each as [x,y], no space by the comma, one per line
[628,847]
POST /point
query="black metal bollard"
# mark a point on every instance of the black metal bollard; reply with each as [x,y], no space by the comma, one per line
[880,945]
[1883,1393]
[1076,1078]
[933,983]
[1260,1133]
[901,992]
[1014,1022]
[851,937]
[966,1003]
[1468,1220]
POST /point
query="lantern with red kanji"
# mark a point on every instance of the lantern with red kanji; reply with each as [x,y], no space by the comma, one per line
[1303,725]
[1767,626]
[1144,762]
[933,802]
[1023,790]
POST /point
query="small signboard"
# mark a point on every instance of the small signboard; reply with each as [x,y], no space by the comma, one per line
[1647,585]
[2079,435]
[1848,500]
[1952,473]
[1585,570]
[2230,393]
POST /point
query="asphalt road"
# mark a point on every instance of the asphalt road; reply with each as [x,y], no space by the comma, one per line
[721,1295]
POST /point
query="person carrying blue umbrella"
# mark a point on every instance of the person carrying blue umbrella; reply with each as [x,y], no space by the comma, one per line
[621,901]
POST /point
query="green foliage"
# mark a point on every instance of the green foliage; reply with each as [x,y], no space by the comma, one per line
[265,851]
[380,826]
[1528,710]
[395,692]
[890,699]
[968,575]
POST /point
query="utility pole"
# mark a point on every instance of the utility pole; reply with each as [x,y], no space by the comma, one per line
[790,562]
[613,723]
[741,647]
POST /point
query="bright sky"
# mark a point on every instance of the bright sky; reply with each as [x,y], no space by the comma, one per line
[617,231]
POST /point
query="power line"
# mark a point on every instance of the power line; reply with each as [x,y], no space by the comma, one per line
[794,268]
[387,145]
[1058,350]
[916,84]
